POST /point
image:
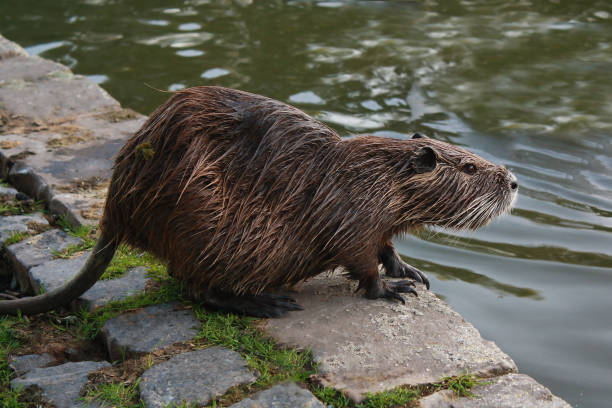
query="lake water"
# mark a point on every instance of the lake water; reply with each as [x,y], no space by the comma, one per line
[526,84]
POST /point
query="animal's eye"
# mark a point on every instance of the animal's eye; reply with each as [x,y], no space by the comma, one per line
[469,168]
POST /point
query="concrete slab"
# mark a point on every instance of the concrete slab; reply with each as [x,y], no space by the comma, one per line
[366,345]
[508,391]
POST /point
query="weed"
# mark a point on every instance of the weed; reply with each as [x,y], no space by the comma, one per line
[8,342]
[461,384]
[274,363]
[16,237]
[118,395]
[331,397]
[396,397]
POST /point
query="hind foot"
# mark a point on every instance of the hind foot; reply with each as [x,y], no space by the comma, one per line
[396,268]
[261,305]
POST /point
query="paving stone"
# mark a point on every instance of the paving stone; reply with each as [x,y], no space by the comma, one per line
[365,345]
[194,377]
[147,329]
[61,385]
[10,49]
[35,251]
[130,284]
[20,223]
[281,396]
[41,248]
[53,274]
[23,364]
[508,391]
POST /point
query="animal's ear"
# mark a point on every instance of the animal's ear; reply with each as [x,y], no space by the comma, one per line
[424,160]
[418,136]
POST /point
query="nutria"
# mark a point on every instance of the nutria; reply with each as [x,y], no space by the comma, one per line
[241,194]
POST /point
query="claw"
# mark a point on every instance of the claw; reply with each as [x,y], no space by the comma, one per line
[404,286]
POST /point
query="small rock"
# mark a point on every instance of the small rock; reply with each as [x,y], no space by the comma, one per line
[104,291]
[153,327]
[60,385]
[194,377]
[23,364]
[508,391]
[281,396]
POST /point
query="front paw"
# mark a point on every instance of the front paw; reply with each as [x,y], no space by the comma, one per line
[401,269]
[391,290]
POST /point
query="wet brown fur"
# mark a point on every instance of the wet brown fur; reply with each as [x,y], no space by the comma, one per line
[242,193]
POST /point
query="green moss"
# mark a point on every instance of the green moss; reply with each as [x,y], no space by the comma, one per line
[145,150]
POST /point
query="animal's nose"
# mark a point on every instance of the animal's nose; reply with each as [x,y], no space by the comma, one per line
[513,182]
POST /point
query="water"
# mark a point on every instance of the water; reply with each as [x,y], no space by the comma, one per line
[527,84]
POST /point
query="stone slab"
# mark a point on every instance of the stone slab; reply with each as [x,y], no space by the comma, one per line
[53,274]
[55,97]
[508,391]
[195,377]
[104,291]
[281,396]
[365,345]
[61,385]
[29,68]
[10,49]
[20,223]
[28,362]
[147,329]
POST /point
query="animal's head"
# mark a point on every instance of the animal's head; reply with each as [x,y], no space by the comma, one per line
[454,188]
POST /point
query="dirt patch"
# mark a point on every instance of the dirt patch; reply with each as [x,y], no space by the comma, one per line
[9,144]
[118,115]
[51,333]
[94,212]
[88,185]
[71,134]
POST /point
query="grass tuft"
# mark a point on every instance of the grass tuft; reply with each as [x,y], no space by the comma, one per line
[117,395]
[393,398]
[461,384]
